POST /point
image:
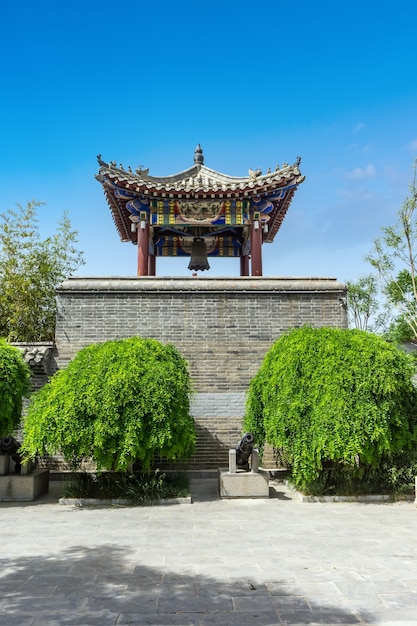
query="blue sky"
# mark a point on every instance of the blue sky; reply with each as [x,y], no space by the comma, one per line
[256,84]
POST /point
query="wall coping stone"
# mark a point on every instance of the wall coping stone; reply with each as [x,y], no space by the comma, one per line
[260,284]
[35,353]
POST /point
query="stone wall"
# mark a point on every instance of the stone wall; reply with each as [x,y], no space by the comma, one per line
[222,326]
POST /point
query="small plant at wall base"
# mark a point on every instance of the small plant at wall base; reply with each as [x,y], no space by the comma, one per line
[116,403]
[14,386]
[144,488]
[340,406]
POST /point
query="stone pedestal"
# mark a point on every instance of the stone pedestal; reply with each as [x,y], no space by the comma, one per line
[237,483]
[24,488]
[26,468]
[4,464]
[243,484]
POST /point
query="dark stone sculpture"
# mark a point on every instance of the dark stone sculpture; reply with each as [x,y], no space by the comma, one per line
[243,451]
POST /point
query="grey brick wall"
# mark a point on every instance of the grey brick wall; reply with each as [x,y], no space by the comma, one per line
[222,326]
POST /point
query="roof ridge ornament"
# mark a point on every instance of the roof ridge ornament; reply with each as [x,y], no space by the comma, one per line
[142,171]
[198,155]
[253,174]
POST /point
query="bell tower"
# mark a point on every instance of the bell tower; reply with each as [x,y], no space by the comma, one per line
[199,213]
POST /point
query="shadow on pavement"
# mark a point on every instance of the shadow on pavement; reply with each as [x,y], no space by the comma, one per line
[103,586]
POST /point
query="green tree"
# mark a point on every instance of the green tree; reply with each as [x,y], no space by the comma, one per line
[115,403]
[14,385]
[395,258]
[333,398]
[399,331]
[363,303]
[30,270]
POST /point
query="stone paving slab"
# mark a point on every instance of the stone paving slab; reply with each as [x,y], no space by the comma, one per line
[214,563]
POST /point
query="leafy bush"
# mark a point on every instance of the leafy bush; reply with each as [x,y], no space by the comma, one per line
[338,404]
[14,385]
[144,488]
[116,403]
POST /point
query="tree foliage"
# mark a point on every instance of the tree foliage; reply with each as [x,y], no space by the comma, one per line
[395,258]
[333,398]
[116,402]
[30,270]
[14,385]
[364,309]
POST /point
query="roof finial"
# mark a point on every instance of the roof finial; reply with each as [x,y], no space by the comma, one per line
[198,155]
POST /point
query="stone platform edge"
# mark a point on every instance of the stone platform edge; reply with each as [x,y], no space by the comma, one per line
[80,502]
[123,284]
[365,498]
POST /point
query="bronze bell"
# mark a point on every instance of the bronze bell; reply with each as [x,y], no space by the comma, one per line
[198,259]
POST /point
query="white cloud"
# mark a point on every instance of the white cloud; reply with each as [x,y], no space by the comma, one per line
[358,127]
[360,173]
[357,195]
[369,147]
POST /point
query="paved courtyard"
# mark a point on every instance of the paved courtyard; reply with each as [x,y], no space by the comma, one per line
[246,563]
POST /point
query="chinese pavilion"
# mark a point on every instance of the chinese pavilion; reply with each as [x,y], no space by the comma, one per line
[199,212]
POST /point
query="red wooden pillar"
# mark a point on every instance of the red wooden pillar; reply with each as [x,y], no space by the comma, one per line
[256,247]
[151,265]
[143,248]
[244,265]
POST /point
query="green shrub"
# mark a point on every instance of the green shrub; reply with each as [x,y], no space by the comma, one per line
[338,404]
[116,403]
[14,385]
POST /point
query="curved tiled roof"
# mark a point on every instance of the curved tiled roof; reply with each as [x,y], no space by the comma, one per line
[200,179]
[270,193]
